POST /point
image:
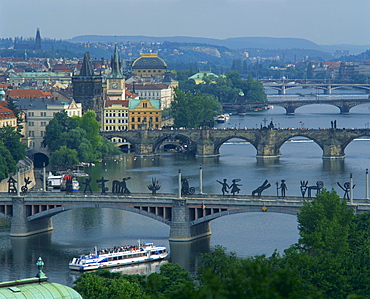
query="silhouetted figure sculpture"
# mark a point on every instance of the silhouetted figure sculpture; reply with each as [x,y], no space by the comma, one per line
[154,187]
[12,188]
[317,187]
[303,187]
[346,188]
[185,189]
[120,187]
[283,188]
[234,186]
[102,182]
[261,188]
[87,185]
[225,186]
[24,188]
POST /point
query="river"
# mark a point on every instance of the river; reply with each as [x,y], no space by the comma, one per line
[78,231]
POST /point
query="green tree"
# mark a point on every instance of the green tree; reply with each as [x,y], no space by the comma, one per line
[11,139]
[193,111]
[64,157]
[7,163]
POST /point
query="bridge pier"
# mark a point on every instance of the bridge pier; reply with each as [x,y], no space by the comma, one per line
[266,146]
[344,109]
[21,227]
[181,228]
[332,149]
[205,146]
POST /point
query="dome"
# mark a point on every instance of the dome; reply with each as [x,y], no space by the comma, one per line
[149,61]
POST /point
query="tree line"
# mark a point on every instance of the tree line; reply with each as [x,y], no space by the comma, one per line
[330,260]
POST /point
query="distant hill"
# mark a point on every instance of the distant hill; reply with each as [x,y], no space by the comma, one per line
[232,43]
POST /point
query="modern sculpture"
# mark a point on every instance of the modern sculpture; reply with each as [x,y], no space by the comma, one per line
[12,188]
[346,188]
[87,185]
[185,189]
[24,188]
[319,185]
[225,186]
[283,188]
[261,188]
[234,186]
[102,182]
[154,187]
[120,187]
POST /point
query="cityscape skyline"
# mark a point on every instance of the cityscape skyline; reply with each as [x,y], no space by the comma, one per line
[322,22]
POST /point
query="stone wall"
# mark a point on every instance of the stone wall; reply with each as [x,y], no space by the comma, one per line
[26,170]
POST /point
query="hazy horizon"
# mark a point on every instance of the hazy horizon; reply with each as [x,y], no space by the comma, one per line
[324,22]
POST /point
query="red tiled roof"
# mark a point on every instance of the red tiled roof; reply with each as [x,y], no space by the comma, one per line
[28,93]
[109,103]
[6,113]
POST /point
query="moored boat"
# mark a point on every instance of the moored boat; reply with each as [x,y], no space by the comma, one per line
[119,256]
[223,118]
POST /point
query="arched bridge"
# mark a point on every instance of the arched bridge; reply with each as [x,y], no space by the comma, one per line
[188,217]
[207,142]
[290,106]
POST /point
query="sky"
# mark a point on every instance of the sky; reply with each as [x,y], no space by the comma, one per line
[325,22]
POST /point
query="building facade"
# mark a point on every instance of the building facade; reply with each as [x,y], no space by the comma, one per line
[145,114]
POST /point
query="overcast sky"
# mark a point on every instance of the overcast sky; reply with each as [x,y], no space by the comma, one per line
[324,22]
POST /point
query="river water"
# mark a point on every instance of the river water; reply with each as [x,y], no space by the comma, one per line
[78,231]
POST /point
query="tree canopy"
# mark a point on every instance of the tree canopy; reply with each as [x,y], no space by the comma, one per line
[72,140]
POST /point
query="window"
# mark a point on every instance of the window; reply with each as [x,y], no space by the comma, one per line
[43,113]
[31,123]
[42,133]
[43,124]
[145,105]
[31,114]
[31,134]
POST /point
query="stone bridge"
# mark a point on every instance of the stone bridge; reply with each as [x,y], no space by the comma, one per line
[188,216]
[290,106]
[207,142]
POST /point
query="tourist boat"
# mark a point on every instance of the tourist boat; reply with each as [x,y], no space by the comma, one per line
[75,183]
[223,118]
[59,182]
[119,256]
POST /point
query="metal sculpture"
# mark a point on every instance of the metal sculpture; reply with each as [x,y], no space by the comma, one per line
[346,188]
[225,186]
[120,187]
[185,189]
[87,185]
[261,188]
[317,187]
[102,182]
[154,187]
[12,188]
[283,188]
[24,188]
[234,186]
[303,187]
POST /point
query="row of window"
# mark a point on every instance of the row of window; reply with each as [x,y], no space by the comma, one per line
[115,128]
[32,133]
[144,119]
[119,114]
[149,93]
[42,124]
[43,114]
[113,121]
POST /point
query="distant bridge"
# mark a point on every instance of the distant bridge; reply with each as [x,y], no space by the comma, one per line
[207,142]
[188,216]
[290,106]
[282,87]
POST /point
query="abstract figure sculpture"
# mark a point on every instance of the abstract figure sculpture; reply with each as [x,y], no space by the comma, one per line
[261,188]
[346,188]
[120,187]
[185,189]
[225,186]
[102,182]
[154,187]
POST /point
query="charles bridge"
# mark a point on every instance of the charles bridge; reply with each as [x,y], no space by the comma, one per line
[267,142]
[188,216]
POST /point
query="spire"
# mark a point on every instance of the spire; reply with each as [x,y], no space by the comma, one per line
[115,65]
[38,40]
[87,68]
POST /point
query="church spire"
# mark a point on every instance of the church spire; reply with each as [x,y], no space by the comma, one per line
[87,68]
[38,40]
[116,65]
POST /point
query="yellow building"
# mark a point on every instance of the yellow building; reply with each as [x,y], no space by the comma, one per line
[148,65]
[145,114]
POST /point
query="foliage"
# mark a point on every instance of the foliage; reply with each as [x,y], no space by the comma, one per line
[78,137]
[11,139]
[7,162]
[192,111]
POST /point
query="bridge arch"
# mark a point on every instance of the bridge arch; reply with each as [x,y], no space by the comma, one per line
[352,138]
[51,212]
[117,139]
[222,141]
[186,142]
[281,210]
[301,133]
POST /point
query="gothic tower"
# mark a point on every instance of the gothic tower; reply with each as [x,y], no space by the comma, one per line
[38,40]
[115,80]
[88,88]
